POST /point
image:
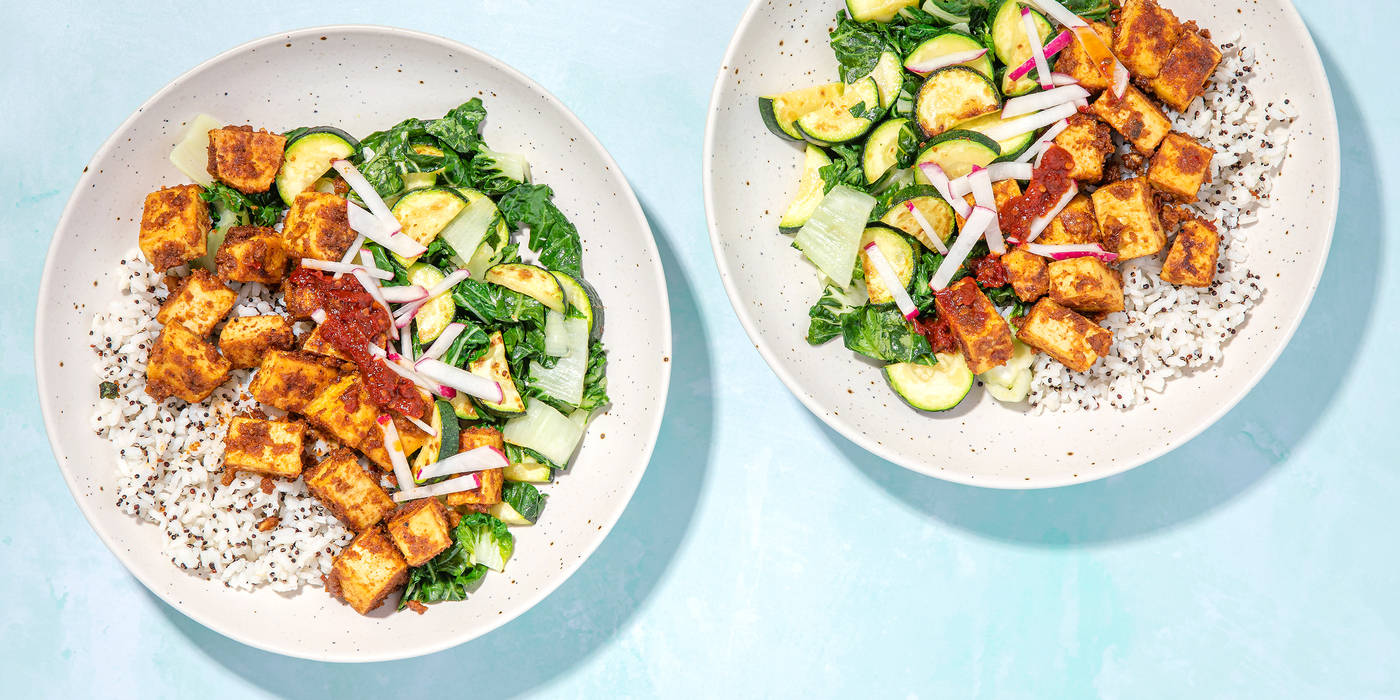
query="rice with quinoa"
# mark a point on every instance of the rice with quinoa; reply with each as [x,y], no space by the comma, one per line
[169,458]
[1165,330]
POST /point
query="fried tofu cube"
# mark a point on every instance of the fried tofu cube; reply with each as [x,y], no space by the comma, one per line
[1144,36]
[1075,341]
[1027,273]
[1074,225]
[1193,255]
[410,439]
[367,571]
[300,292]
[1135,117]
[317,344]
[185,365]
[421,530]
[1076,63]
[244,159]
[252,254]
[344,410]
[316,227]
[174,226]
[350,493]
[292,380]
[270,448]
[1089,141]
[981,333]
[491,479]
[244,340]
[199,304]
[1181,167]
[1128,218]
[1188,67]
[1086,284]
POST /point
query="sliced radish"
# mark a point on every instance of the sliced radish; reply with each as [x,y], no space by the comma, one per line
[346,268]
[406,347]
[477,460]
[1042,67]
[394,447]
[1010,171]
[368,195]
[1059,13]
[391,360]
[1055,46]
[319,316]
[441,488]
[1038,101]
[351,252]
[366,223]
[430,430]
[460,379]
[1030,122]
[376,350]
[972,229]
[1061,80]
[404,294]
[445,340]
[891,280]
[367,259]
[952,59]
[935,175]
[928,229]
[1065,252]
[1041,222]
[406,313]
[1039,146]
[982,193]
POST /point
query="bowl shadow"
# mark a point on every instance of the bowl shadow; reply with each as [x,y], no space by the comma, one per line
[587,611]
[1231,456]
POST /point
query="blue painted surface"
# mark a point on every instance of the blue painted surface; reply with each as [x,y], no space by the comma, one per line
[764,555]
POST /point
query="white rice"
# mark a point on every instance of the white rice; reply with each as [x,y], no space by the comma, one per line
[1166,330]
[170,458]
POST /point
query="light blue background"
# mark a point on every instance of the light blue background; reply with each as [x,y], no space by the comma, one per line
[763,554]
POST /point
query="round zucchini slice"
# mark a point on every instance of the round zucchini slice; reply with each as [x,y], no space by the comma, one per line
[936,388]
[926,199]
[891,145]
[433,318]
[425,212]
[950,43]
[464,408]
[877,10]
[809,192]
[1011,148]
[584,302]
[899,250]
[780,111]
[889,78]
[835,122]
[1013,48]
[443,419]
[533,282]
[309,156]
[957,151]
[951,95]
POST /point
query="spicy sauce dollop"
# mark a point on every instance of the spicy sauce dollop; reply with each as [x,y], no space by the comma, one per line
[1049,182]
[989,271]
[936,330]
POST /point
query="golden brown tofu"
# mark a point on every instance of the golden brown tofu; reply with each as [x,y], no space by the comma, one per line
[981,333]
[246,339]
[1128,218]
[1075,341]
[1003,191]
[1193,256]
[421,531]
[410,439]
[292,380]
[350,493]
[1027,273]
[344,410]
[1077,64]
[185,365]
[1188,67]
[252,254]
[174,226]
[244,159]
[1181,167]
[1135,117]
[199,304]
[270,448]
[1144,36]
[491,479]
[1089,141]
[1086,284]
[317,344]
[1074,225]
[316,227]
[367,571]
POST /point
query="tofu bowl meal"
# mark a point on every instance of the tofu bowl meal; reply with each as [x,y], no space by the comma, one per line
[348,362]
[1021,244]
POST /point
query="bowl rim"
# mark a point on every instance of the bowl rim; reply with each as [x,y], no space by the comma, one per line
[775,361]
[42,338]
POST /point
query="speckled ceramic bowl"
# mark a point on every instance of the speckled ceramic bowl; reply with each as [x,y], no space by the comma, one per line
[361,79]
[751,176]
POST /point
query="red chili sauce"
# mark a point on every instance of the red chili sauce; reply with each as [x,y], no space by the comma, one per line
[353,321]
[989,271]
[936,330]
[1049,182]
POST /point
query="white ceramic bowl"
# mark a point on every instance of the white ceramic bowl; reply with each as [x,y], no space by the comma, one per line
[751,175]
[361,79]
